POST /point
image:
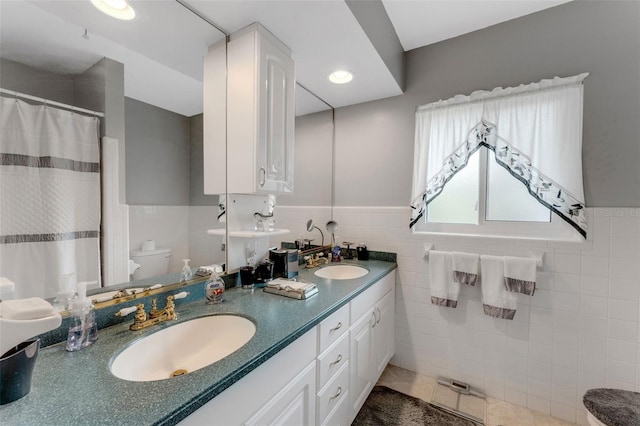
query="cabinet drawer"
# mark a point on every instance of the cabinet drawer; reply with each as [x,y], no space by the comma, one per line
[340,414]
[333,393]
[370,296]
[333,327]
[333,359]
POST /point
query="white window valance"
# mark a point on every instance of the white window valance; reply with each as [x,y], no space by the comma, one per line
[535,131]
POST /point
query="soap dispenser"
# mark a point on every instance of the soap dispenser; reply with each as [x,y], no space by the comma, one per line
[214,287]
[83,330]
[186,274]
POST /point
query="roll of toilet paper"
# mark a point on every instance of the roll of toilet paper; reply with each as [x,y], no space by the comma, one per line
[149,245]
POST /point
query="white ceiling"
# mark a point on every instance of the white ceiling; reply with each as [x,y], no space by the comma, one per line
[162,48]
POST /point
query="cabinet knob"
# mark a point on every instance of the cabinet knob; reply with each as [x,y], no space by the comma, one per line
[379,315]
[375,319]
[337,327]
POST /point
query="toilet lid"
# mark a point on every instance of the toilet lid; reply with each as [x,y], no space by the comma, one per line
[142,253]
[613,407]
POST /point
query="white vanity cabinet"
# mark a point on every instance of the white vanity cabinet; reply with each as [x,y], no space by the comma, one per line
[293,405]
[323,377]
[371,337]
[280,391]
[260,113]
[333,368]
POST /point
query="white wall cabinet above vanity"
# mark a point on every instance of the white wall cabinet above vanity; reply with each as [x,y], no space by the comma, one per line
[323,377]
[259,106]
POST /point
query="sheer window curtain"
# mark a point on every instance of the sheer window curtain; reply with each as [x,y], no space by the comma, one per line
[535,131]
[49,197]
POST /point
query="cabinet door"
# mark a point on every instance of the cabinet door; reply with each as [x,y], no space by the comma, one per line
[384,332]
[276,120]
[294,405]
[361,358]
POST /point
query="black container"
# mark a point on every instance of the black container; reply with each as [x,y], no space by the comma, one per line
[362,252]
[247,276]
[16,370]
[279,259]
[264,272]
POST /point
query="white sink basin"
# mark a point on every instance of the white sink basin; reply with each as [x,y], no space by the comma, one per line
[182,348]
[341,272]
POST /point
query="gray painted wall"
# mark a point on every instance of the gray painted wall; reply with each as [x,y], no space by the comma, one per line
[158,155]
[373,18]
[374,141]
[32,81]
[312,165]
[197,196]
[101,88]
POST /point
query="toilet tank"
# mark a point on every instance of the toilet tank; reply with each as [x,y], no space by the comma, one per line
[152,262]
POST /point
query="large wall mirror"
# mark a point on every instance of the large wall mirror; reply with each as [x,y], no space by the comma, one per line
[149,85]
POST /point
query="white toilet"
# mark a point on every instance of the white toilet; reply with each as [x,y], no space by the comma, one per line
[152,262]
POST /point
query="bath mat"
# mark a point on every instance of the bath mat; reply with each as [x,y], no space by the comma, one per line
[386,407]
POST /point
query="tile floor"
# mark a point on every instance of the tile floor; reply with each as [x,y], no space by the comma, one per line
[497,413]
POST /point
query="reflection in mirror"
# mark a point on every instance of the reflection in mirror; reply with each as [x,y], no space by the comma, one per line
[313,153]
[311,227]
[313,174]
[147,79]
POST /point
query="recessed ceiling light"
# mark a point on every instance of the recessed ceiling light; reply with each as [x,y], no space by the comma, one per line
[118,9]
[340,77]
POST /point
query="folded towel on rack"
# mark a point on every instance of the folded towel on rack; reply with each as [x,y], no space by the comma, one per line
[444,291]
[465,267]
[520,274]
[496,300]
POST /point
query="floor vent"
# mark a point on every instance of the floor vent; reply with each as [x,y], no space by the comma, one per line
[459,398]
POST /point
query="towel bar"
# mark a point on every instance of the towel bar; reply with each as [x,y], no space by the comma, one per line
[427,248]
[537,255]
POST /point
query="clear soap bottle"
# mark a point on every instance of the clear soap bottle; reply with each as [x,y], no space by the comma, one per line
[186,274]
[214,287]
[83,330]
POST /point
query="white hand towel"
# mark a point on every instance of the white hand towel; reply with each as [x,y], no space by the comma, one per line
[496,300]
[293,286]
[444,292]
[465,268]
[520,274]
[31,308]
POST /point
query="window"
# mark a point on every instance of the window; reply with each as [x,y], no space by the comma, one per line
[502,163]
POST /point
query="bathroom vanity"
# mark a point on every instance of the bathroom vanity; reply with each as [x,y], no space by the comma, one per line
[310,361]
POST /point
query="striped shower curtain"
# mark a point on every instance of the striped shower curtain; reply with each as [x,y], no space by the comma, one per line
[49,197]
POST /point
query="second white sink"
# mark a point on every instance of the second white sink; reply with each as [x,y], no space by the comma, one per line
[341,272]
[182,348]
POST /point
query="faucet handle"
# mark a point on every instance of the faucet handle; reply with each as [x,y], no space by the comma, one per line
[126,311]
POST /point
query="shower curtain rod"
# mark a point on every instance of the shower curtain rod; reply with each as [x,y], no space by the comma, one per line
[50,102]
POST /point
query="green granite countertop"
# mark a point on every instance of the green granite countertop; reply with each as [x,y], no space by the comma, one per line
[77,388]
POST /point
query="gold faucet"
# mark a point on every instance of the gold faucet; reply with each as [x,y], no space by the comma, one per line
[156,315]
[315,260]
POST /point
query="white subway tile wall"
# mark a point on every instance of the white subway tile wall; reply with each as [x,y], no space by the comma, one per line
[579,331]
